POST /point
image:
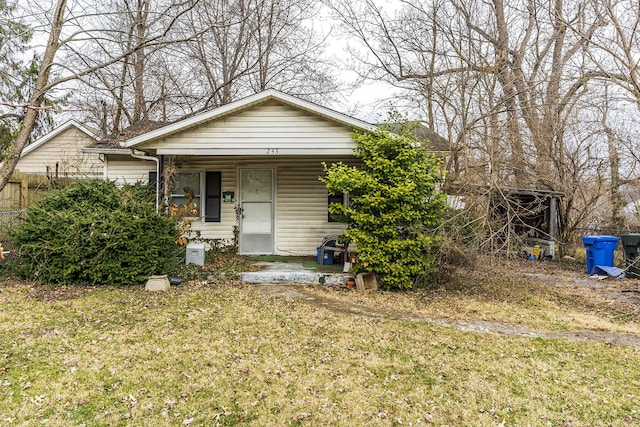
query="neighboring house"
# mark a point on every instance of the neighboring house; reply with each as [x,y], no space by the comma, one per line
[58,154]
[247,170]
[61,151]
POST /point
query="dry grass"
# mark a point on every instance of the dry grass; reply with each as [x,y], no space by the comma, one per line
[230,355]
[547,296]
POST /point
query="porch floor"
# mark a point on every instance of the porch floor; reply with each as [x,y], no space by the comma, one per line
[292,272]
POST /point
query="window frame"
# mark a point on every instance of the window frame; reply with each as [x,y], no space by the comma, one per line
[204,193]
[197,196]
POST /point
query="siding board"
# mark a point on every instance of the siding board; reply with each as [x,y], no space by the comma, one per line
[272,125]
[65,150]
[126,169]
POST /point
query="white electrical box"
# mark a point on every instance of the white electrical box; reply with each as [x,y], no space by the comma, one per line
[195,253]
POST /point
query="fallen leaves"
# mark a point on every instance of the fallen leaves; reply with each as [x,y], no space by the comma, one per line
[202,355]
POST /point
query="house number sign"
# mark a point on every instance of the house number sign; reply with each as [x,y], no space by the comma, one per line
[272,151]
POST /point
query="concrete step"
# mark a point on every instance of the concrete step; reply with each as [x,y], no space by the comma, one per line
[300,277]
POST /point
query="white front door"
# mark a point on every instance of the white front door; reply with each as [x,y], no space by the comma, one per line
[256,211]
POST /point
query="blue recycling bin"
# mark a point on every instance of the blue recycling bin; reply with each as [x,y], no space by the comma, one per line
[600,250]
[328,256]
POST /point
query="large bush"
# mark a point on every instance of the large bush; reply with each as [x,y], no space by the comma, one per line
[96,232]
[394,205]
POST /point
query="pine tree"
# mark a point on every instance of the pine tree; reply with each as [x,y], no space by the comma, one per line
[394,204]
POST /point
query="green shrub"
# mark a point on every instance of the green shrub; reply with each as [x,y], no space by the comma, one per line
[98,233]
[395,205]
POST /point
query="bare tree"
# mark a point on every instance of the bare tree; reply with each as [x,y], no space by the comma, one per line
[138,86]
[246,46]
[508,81]
[615,53]
[289,54]
[34,103]
[618,53]
[67,26]
[214,53]
[219,55]
[18,73]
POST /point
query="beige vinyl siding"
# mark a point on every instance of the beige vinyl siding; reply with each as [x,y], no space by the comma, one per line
[301,200]
[65,150]
[125,169]
[271,128]
[301,220]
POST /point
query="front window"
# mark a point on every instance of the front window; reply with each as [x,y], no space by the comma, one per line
[185,197]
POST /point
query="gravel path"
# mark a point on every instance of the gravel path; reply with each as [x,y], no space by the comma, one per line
[299,293]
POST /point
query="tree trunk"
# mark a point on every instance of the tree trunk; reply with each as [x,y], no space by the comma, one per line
[506,79]
[32,110]
[139,19]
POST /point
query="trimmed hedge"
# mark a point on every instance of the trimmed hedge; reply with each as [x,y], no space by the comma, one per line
[95,232]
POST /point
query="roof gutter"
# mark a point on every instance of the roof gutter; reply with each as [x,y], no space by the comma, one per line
[141,156]
[105,150]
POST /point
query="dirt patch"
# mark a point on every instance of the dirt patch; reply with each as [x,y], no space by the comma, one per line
[300,293]
[623,295]
[56,293]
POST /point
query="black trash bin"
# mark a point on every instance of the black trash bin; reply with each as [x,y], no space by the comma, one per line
[631,245]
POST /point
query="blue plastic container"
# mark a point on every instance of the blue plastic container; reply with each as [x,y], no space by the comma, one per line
[600,250]
[328,256]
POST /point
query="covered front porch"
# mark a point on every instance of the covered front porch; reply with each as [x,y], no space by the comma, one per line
[273,206]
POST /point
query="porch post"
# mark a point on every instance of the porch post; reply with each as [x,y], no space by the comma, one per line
[553,217]
[160,184]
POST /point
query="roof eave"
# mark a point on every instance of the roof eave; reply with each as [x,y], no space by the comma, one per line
[55,132]
[105,150]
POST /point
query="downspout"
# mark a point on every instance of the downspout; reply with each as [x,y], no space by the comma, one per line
[158,177]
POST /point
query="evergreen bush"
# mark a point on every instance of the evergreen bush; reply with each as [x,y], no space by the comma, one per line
[95,232]
[395,204]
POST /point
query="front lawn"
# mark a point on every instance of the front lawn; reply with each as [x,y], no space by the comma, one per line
[204,354]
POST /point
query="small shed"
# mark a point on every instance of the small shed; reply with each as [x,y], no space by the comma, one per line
[531,214]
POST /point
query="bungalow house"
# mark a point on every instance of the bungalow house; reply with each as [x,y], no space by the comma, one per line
[58,154]
[246,172]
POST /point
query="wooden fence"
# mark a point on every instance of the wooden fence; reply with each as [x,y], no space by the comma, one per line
[23,190]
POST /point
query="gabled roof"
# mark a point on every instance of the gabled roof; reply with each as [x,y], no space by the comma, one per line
[244,104]
[57,131]
[423,133]
[112,144]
